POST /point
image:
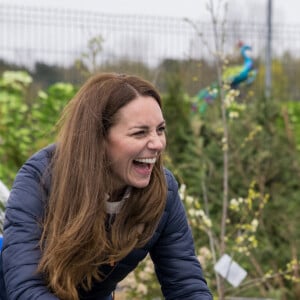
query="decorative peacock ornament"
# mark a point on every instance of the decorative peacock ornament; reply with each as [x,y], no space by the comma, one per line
[234,76]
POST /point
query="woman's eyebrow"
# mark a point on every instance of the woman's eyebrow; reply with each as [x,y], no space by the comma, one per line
[139,127]
[146,126]
[162,123]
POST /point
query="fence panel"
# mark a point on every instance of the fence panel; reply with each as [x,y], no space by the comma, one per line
[59,37]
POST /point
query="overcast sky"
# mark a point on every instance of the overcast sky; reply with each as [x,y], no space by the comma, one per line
[284,11]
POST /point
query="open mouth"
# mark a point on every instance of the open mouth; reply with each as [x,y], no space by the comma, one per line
[144,162]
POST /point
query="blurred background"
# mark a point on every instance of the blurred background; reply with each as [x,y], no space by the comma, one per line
[50,39]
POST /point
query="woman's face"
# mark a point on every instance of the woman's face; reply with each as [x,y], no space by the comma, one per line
[135,142]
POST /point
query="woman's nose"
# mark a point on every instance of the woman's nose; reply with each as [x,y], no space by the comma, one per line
[157,142]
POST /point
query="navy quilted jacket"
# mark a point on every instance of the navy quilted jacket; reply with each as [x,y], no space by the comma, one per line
[171,247]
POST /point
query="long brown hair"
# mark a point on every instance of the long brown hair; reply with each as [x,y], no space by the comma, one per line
[75,241]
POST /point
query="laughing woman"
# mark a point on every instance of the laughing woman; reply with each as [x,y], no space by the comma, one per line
[86,210]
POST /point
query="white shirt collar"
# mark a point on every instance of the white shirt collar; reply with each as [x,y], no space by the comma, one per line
[115,207]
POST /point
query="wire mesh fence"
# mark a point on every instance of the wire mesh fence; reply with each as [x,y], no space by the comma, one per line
[60,37]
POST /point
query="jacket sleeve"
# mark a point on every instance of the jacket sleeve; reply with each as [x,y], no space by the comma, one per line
[176,265]
[22,231]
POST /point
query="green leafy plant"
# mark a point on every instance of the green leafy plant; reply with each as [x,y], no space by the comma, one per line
[26,124]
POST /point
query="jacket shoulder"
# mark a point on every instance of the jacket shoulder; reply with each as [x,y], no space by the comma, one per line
[40,159]
[171,181]
[31,184]
[171,198]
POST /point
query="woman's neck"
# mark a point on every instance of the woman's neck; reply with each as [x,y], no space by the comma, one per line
[117,194]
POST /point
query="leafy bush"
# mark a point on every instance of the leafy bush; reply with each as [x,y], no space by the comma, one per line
[25,124]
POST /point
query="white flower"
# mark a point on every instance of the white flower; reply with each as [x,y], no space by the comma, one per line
[233,115]
[181,191]
[189,199]
[254,225]
[207,221]
[234,204]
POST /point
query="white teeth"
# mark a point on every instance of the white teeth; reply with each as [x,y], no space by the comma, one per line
[146,160]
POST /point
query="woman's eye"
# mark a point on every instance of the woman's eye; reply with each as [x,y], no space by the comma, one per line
[162,129]
[139,133]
